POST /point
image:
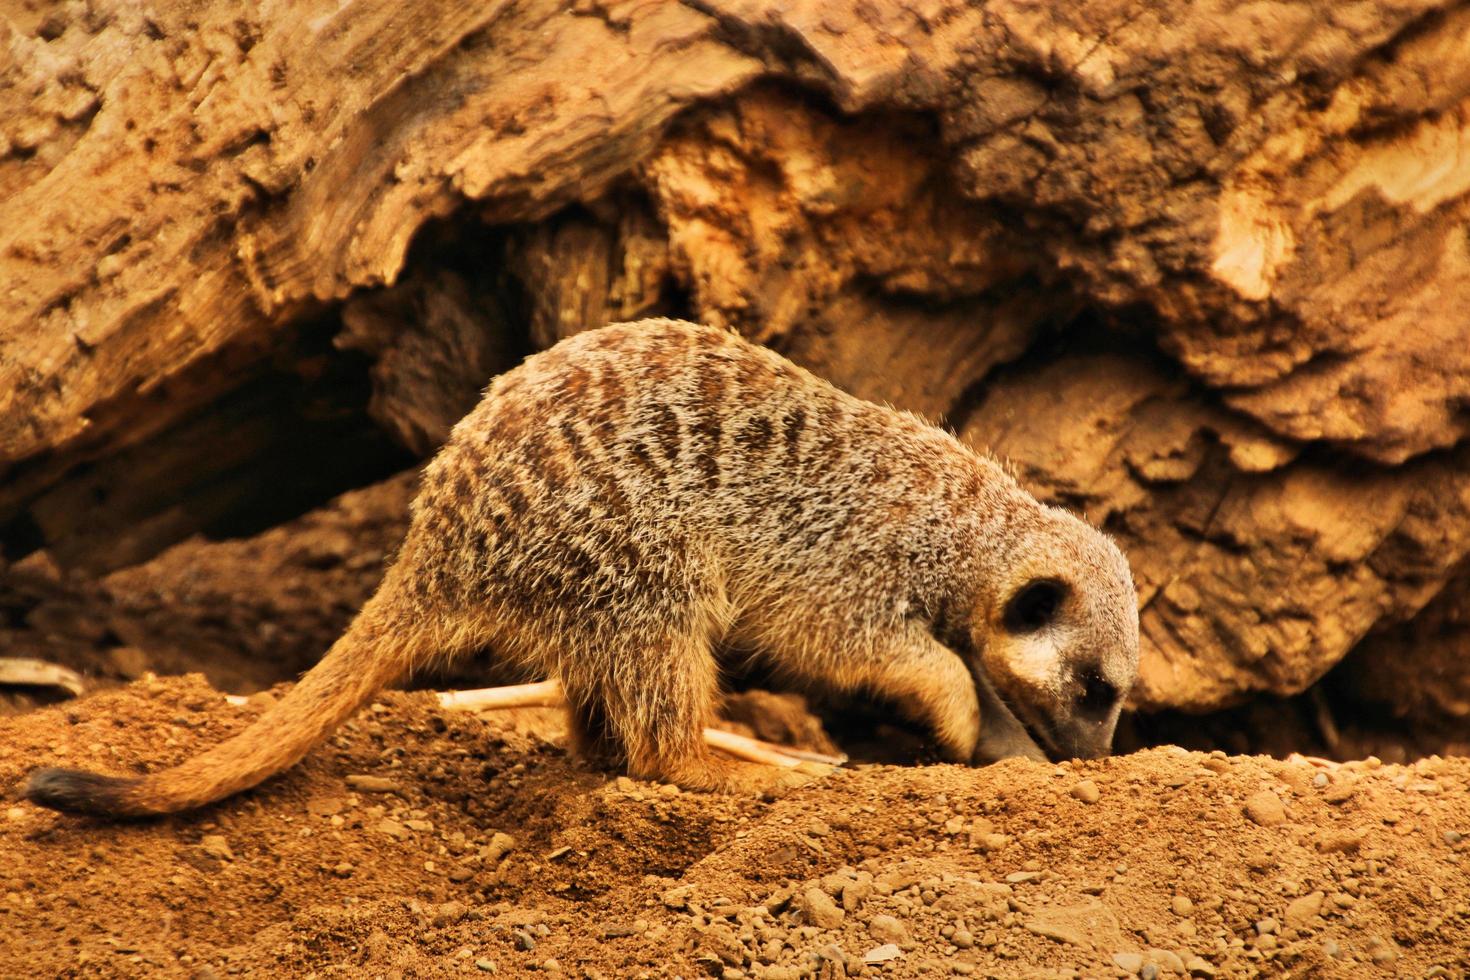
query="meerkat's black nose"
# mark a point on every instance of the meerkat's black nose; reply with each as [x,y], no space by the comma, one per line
[1098,695]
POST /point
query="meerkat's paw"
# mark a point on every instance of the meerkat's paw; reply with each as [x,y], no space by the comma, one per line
[746,778]
[754,779]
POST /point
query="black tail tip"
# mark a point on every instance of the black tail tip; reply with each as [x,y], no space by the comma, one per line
[75,791]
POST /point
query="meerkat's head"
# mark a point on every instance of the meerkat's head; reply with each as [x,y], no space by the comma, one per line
[1058,639]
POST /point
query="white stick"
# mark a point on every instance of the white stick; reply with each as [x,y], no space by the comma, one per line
[24,670]
[749,749]
[544,694]
[548,694]
[807,755]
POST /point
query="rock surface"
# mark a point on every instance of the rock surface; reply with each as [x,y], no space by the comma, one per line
[1197,271]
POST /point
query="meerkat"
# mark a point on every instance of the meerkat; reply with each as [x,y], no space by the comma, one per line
[621,504]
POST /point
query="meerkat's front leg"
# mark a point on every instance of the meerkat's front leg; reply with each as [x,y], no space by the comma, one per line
[935,686]
[929,683]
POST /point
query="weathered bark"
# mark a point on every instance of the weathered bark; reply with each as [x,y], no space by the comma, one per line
[1420,669]
[246,612]
[1199,270]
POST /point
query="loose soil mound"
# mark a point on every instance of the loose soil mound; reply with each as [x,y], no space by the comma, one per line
[478,847]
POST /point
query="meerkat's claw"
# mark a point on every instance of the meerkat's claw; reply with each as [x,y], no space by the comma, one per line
[755,779]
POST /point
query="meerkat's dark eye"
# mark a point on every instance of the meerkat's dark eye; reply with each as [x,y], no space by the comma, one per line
[1098,694]
[1035,606]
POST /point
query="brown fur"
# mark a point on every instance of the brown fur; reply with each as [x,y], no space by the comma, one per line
[621,503]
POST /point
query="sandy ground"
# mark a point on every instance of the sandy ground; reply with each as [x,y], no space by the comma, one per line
[479,847]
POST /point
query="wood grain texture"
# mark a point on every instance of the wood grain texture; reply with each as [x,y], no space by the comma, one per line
[1198,270]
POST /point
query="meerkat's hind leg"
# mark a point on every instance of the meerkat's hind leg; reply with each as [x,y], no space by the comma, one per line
[591,735]
[657,713]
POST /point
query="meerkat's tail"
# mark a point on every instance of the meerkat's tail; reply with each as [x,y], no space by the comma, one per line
[377,649]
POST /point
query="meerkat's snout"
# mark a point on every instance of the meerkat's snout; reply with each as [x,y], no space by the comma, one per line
[1061,649]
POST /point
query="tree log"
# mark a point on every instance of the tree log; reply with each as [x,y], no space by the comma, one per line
[1199,271]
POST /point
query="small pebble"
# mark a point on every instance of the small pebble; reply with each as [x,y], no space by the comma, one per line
[216,846]
[886,929]
[449,913]
[820,910]
[372,784]
[1182,906]
[678,897]
[485,965]
[1341,841]
[1086,791]
[1265,808]
[325,806]
[1199,966]
[882,954]
[1164,959]
[393,829]
[1384,953]
[1128,962]
[500,845]
[1303,910]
